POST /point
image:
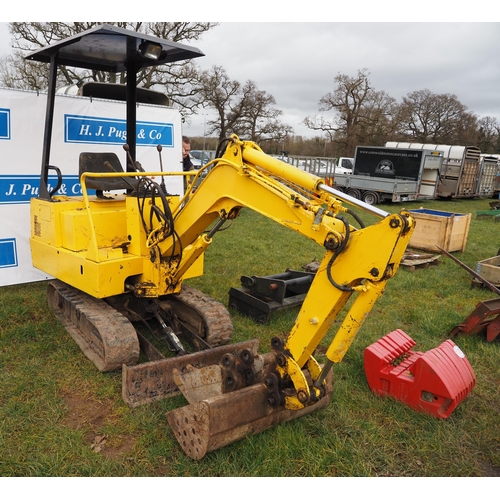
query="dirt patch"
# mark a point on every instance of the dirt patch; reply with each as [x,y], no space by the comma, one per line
[120,447]
[490,470]
[84,412]
[92,416]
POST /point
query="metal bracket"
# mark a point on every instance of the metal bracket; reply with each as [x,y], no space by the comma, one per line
[261,295]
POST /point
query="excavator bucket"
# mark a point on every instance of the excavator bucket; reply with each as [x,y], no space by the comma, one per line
[208,424]
[485,318]
[154,380]
[229,390]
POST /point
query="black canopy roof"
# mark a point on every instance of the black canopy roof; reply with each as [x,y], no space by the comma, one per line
[109,48]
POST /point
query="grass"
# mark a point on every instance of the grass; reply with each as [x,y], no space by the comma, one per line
[55,407]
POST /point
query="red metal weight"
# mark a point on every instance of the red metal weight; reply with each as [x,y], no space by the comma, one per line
[435,382]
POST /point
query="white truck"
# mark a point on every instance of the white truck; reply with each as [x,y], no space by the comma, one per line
[460,173]
[344,165]
[389,174]
[81,124]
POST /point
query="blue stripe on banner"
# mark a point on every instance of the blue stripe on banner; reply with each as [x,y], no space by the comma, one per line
[94,130]
[4,123]
[8,252]
[21,188]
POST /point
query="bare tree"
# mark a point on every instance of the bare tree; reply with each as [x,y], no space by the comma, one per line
[377,123]
[219,93]
[361,113]
[259,120]
[467,130]
[245,111]
[489,135]
[432,118]
[176,79]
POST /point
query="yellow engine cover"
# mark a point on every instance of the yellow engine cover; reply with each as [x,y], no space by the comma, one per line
[98,247]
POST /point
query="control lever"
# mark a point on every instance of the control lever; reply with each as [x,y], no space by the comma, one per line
[110,167]
[159,149]
[135,164]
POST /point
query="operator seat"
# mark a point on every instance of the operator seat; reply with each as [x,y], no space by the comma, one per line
[105,163]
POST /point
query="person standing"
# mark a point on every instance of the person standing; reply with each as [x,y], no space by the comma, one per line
[187,164]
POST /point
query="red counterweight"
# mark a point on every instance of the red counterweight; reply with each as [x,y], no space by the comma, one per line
[435,382]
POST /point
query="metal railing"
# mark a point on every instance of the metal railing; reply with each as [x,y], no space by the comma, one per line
[320,166]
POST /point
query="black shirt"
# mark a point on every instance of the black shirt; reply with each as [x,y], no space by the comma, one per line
[187,164]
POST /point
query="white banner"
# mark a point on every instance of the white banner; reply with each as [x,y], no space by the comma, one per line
[81,124]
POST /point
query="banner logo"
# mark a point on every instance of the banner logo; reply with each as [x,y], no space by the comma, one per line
[21,188]
[93,130]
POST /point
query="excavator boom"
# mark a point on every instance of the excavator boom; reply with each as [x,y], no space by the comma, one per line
[356,261]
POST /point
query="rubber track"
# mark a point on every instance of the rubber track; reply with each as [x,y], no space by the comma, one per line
[104,335]
[217,325]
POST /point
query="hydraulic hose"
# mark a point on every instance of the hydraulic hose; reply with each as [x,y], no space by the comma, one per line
[356,216]
[340,249]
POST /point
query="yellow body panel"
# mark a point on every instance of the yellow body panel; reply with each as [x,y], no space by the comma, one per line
[100,280]
[63,238]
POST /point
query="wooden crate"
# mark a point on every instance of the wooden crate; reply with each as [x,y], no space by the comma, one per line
[489,269]
[445,229]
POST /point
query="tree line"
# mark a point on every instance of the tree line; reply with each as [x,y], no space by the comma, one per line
[352,113]
[365,116]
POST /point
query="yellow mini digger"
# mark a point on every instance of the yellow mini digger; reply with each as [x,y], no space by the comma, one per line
[122,256]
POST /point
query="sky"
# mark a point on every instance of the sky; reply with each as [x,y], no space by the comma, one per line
[296,61]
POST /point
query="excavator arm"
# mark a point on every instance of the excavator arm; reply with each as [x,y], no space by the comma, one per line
[356,261]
